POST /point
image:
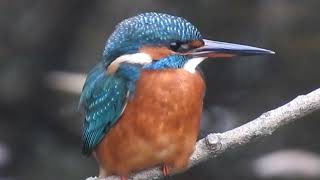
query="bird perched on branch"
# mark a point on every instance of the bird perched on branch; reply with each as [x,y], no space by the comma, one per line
[143,101]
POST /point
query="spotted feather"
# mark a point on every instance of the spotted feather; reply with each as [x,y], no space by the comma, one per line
[103,99]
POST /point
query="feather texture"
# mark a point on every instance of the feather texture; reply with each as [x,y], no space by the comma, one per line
[145,29]
[103,99]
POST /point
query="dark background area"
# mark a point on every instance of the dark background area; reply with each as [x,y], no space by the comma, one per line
[40,125]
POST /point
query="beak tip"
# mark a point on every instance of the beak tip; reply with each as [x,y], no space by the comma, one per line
[268,52]
[271,52]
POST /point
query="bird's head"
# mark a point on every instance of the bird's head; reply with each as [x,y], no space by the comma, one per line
[161,41]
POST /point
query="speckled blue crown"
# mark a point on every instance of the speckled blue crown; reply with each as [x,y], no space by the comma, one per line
[147,28]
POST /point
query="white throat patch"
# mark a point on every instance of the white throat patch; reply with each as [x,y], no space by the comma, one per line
[191,65]
[137,58]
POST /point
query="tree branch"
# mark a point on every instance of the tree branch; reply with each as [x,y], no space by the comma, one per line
[217,143]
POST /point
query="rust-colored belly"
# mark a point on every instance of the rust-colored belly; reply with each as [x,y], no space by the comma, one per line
[159,125]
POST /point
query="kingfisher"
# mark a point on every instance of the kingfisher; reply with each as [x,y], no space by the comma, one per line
[143,100]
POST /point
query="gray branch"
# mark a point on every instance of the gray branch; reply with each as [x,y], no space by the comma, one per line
[217,143]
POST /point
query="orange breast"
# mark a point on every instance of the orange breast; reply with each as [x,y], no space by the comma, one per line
[159,125]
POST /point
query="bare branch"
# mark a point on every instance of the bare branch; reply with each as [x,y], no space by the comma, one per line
[217,143]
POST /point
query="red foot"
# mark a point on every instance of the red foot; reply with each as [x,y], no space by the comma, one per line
[165,170]
[123,178]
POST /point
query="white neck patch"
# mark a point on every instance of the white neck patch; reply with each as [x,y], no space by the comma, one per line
[191,64]
[137,58]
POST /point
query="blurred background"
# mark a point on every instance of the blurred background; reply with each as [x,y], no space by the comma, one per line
[44,42]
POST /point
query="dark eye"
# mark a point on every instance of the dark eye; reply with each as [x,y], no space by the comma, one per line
[175,46]
[179,46]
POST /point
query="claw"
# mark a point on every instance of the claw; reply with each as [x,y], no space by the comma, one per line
[123,178]
[165,170]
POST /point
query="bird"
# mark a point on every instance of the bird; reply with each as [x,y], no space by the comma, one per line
[143,100]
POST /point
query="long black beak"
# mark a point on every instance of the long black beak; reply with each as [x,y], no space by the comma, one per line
[214,49]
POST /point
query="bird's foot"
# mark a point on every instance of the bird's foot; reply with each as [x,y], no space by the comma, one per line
[123,178]
[165,170]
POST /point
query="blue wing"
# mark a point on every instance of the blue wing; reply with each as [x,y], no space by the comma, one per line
[103,98]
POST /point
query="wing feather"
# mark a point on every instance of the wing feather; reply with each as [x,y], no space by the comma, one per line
[103,98]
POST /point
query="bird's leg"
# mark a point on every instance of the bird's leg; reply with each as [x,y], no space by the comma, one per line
[178,165]
[123,178]
[165,170]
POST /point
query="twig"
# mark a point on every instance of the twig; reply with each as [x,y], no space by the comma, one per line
[217,143]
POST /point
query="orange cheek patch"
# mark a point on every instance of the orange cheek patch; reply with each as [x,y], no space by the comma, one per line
[157,53]
[196,44]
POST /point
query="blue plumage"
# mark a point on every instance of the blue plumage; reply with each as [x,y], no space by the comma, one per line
[148,42]
[104,96]
[173,61]
[131,73]
[147,28]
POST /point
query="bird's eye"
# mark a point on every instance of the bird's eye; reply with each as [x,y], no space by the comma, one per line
[175,46]
[179,46]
